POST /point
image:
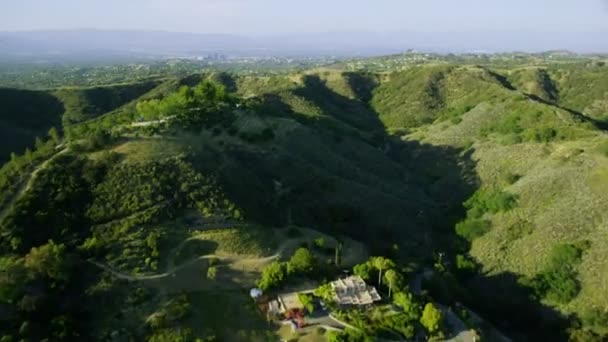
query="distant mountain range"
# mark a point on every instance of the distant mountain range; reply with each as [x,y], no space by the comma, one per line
[109,43]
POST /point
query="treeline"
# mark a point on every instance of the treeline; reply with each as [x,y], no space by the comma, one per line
[202,106]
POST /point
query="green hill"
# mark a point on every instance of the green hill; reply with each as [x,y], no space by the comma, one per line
[501,171]
[82,104]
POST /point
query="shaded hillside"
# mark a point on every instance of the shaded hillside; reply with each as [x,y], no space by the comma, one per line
[82,104]
[535,82]
[583,88]
[24,116]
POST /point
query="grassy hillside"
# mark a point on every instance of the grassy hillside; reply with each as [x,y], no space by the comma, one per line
[501,172]
[551,162]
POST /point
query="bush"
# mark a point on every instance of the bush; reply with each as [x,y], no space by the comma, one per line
[558,282]
[492,201]
[465,265]
[432,318]
[302,262]
[473,228]
[273,275]
[308,301]
[545,134]
[519,229]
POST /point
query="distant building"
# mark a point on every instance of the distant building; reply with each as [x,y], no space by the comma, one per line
[354,291]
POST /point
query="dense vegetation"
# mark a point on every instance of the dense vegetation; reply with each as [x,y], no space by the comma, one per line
[491,174]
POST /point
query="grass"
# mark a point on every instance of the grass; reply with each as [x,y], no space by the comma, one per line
[245,241]
[145,149]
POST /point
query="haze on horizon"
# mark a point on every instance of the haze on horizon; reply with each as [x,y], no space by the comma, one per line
[259,17]
[351,26]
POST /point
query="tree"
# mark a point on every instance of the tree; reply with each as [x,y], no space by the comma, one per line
[394,280]
[431,318]
[363,270]
[39,144]
[272,275]
[308,301]
[211,272]
[406,301]
[54,135]
[302,261]
[381,263]
[325,292]
[48,259]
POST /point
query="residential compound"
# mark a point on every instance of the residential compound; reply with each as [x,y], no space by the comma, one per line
[354,291]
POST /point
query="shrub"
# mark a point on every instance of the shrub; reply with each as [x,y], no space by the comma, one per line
[558,281]
[465,265]
[545,134]
[431,318]
[492,201]
[273,275]
[473,228]
[519,229]
[302,262]
[308,301]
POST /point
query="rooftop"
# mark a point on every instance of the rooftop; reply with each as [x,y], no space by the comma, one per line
[354,291]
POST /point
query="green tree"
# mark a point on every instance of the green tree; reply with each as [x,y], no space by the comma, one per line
[394,280]
[308,301]
[211,272]
[406,301]
[54,135]
[381,264]
[431,318]
[49,260]
[272,275]
[325,292]
[363,270]
[302,262]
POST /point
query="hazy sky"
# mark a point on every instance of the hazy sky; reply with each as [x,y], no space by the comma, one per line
[287,16]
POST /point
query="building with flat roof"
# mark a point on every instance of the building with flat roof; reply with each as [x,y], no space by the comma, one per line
[354,291]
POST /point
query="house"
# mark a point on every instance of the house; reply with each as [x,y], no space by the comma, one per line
[354,291]
[284,303]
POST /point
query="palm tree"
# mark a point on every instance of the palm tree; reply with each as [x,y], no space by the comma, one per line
[394,280]
[381,263]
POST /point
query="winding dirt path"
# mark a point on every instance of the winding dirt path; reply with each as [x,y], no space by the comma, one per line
[171,269]
[27,183]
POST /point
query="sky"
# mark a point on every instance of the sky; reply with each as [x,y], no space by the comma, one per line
[262,17]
